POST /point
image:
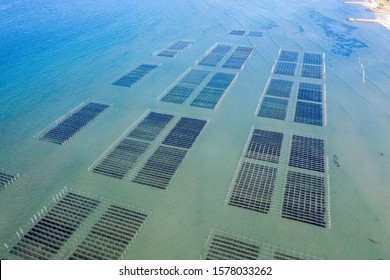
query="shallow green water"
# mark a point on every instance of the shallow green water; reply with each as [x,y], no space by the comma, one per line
[50,66]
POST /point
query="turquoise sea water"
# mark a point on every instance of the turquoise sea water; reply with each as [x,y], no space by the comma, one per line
[55,55]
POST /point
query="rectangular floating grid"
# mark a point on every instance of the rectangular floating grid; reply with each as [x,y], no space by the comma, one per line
[69,125]
[208,98]
[284,256]
[311,71]
[305,199]
[179,45]
[150,127]
[265,145]
[274,108]
[253,187]
[221,80]
[288,56]
[178,94]
[120,159]
[310,92]
[6,178]
[269,252]
[234,63]
[308,113]
[221,49]
[185,133]
[195,77]
[255,34]
[285,68]
[161,167]
[134,76]
[215,56]
[211,60]
[168,53]
[46,238]
[242,51]
[312,58]
[279,88]
[186,86]
[237,32]
[174,49]
[238,58]
[308,107]
[224,247]
[111,235]
[307,153]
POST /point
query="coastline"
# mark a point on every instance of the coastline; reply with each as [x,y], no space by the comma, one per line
[381,10]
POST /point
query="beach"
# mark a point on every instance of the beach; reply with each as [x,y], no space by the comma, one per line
[380,8]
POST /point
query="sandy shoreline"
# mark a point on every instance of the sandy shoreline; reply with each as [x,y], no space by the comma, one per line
[380,10]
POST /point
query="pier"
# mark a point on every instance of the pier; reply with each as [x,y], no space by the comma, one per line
[377,21]
[365,4]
